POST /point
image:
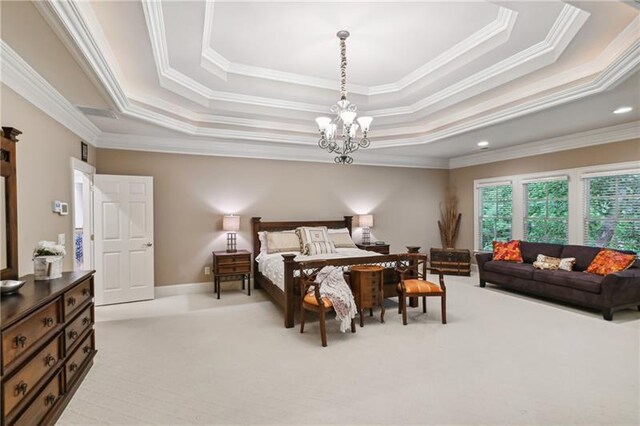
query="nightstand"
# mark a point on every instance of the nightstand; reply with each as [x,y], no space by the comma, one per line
[378,248]
[231,265]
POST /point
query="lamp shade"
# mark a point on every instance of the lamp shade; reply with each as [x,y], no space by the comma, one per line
[231,223]
[365,220]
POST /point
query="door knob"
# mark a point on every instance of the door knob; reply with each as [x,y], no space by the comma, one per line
[149,244]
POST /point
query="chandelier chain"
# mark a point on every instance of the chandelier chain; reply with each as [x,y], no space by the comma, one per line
[343,69]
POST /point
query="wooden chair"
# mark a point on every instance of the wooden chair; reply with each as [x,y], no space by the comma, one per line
[413,283]
[312,301]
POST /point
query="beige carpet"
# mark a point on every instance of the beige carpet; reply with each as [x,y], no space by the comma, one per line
[502,359]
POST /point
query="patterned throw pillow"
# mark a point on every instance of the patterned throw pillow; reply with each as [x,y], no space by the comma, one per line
[509,251]
[321,247]
[308,234]
[553,263]
[279,242]
[341,238]
[610,261]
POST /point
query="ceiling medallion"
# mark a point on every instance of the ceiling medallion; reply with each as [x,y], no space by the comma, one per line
[340,134]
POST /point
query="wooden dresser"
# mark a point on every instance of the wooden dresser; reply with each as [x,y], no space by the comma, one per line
[48,345]
[451,261]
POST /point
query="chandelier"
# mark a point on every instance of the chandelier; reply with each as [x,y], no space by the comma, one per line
[340,134]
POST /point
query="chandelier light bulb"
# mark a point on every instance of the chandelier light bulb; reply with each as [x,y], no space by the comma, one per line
[365,122]
[347,117]
[353,130]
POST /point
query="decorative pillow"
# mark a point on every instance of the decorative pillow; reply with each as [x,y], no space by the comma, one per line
[610,261]
[509,251]
[320,247]
[341,238]
[308,234]
[278,242]
[553,263]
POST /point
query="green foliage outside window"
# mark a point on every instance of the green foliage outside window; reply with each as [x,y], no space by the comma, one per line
[612,217]
[547,212]
[495,214]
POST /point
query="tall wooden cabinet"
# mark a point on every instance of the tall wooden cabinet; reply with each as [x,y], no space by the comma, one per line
[48,345]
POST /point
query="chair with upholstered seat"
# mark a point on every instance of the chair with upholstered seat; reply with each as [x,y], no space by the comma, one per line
[413,283]
[312,301]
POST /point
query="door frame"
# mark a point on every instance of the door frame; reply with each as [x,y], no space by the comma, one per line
[90,171]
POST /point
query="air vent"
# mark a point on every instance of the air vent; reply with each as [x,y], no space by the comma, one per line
[97,112]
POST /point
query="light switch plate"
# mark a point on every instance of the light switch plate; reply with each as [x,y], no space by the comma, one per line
[207,270]
[62,239]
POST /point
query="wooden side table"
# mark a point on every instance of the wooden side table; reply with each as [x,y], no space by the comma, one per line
[378,248]
[367,283]
[227,265]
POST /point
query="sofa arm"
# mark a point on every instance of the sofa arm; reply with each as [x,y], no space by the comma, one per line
[483,258]
[622,288]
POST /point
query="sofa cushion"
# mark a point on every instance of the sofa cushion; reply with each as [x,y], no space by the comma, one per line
[610,262]
[583,254]
[575,279]
[507,251]
[520,270]
[530,251]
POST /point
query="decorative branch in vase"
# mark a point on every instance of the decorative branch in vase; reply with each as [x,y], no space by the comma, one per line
[449,222]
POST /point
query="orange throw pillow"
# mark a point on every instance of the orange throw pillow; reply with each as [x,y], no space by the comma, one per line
[509,251]
[610,261]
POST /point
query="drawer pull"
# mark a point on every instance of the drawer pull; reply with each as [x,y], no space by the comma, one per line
[21,389]
[73,334]
[87,349]
[85,292]
[73,367]
[86,320]
[50,399]
[21,341]
[48,321]
[50,360]
[71,301]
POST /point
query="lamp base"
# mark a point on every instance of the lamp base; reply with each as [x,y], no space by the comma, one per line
[366,236]
[231,242]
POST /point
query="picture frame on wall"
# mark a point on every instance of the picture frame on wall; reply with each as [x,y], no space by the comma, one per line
[84,152]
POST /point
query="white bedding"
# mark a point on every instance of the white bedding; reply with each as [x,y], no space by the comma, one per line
[272,265]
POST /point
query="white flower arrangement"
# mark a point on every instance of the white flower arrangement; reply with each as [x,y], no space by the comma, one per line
[49,248]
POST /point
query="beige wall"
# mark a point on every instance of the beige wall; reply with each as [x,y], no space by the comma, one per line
[462,178]
[192,193]
[44,175]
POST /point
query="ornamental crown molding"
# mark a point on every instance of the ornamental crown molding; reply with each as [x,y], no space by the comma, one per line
[24,80]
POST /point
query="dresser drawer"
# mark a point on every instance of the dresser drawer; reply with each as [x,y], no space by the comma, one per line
[20,337]
[24,381]
[75,297]
[78,325]
[240,268]
[76,361]
[233,259]
[43,403]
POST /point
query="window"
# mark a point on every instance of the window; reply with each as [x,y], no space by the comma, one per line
[495,214]
[612,211]
[546,211]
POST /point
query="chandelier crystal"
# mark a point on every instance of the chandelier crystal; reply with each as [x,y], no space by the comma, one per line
[340,135]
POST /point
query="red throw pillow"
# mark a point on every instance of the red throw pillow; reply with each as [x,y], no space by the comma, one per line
[610,261]
[509,251]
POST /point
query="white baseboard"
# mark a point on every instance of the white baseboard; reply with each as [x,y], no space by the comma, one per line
[192,288]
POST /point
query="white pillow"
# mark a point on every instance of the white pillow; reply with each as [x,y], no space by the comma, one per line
[320,247]
[278,242]
[309,234]
[341,238]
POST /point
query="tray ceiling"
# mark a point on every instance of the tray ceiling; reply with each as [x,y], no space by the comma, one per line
[254,74]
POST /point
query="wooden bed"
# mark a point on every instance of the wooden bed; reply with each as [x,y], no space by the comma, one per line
[289,299]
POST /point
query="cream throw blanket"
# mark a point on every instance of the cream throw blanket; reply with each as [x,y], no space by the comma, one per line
[335,288]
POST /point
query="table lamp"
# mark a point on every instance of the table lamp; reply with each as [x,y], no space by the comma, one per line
[366,222]
[231,224]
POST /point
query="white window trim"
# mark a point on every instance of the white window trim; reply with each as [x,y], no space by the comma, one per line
[576,177]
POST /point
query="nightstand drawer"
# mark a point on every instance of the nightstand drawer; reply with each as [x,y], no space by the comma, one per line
[235,258]
[240,268]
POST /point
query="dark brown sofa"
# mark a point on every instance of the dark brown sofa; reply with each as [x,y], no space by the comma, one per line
[606,293]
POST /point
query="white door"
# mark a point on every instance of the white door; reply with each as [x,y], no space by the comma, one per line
[123,207]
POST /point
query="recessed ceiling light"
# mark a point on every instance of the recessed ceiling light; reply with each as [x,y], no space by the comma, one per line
[623,110]
[483,144]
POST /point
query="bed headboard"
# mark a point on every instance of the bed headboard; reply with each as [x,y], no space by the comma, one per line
[257,225]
